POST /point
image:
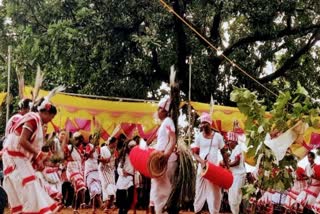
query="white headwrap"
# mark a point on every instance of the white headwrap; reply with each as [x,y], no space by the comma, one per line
[20,104]
[44,105]
[76,134]
[165,103]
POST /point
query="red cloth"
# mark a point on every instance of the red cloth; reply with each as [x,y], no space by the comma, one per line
[32,123]
[232,136]
[300,172]
[316,169]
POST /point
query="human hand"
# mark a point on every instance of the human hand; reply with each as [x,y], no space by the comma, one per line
[125,173]
[203,163]
[40,159]
[170,131]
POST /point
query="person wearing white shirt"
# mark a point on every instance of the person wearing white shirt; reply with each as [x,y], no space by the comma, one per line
[207,146]
[125,182]
[237,167]
[161,187]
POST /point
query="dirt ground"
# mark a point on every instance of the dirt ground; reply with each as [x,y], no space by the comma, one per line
[89,211]
[85,211]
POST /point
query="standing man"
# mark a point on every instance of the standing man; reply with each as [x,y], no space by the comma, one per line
[161,187]
[237,167]
[207,146]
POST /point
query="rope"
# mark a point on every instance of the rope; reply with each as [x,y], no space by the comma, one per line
[170,9]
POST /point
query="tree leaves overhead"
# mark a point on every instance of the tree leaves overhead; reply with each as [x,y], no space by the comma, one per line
[125,48]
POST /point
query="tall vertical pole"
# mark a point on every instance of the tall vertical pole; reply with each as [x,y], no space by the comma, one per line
[8,84]
[189,106]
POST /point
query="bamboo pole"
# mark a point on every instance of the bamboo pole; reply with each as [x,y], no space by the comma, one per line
[8,85]
[189,100]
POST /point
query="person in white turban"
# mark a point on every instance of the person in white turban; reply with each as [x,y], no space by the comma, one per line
[206,147]
[161,187]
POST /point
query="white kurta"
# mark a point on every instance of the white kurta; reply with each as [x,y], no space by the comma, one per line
[205,190]
[239,177]
[161,187]
[124,182]
[107,174]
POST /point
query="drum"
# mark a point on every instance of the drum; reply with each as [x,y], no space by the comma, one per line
[148,162]
[218,175]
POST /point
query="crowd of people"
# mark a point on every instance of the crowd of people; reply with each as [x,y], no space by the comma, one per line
[302,197]
[45,172]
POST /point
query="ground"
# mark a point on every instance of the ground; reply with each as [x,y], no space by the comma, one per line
[89,211]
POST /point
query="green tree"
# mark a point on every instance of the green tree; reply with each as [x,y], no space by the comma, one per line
[125,48]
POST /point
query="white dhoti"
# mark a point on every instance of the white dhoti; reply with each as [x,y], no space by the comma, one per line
[107,178]
[207,191]
[235,193]
[93,183]
[161,188]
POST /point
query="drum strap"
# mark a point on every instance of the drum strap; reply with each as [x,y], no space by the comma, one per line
[209,147]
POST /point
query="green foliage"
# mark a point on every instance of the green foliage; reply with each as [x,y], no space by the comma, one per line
[128,46]
[125,48]
[290,107]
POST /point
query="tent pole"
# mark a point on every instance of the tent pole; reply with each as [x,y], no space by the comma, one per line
[8,86]
[189,106]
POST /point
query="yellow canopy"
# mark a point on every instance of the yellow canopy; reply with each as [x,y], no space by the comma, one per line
[107,113]
[2,97]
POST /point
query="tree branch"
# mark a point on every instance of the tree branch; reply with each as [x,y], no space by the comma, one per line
[290,62]
[270,36]
[214,32]
[35,17]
